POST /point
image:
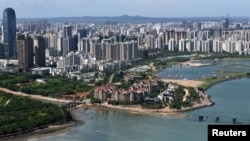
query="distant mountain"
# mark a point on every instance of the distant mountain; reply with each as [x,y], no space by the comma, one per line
[132,19]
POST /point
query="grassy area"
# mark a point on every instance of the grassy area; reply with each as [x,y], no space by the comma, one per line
[214,80]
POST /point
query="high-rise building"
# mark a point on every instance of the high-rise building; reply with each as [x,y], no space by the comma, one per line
[150,41]
[115,51]
[105,50]
[82,33]
[68,45]
[40,51]
[225,22]
[52,41]
[1,48]
[85,45]
[182,45]
[160,42]
[32,25]
[67,31]
[171,45]
[60,45]
[97,51]
[25,53]
[9,34]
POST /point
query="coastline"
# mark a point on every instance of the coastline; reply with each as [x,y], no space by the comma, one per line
[220,81]
[76,111]
[48,131]
[51,130]
[135,109]
[64,128]
[238,59]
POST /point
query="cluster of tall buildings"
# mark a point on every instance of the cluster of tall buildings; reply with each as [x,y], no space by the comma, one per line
[208,41]
[32,42]
[110,49]
[37,42]
[204,37]
[29,51]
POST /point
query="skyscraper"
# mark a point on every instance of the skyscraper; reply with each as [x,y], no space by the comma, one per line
[39,51]
[9,34]
[67,31]
[25,53]
[150,41]
[68,45]
[225,22]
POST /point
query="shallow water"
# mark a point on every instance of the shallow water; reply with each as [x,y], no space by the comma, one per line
[232,101]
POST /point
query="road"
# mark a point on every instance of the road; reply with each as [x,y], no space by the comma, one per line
[111,79]
[38,97]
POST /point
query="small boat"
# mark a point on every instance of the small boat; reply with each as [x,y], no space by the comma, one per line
[97,131]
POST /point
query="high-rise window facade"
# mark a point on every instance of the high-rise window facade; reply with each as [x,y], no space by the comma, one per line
[9,34]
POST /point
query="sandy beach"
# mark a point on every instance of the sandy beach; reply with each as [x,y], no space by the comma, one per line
[199,63]
[189,83]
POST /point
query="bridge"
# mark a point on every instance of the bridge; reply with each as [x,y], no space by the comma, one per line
[219,118]
[71,104]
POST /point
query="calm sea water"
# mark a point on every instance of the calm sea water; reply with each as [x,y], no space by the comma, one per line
[232,100]
[197,72]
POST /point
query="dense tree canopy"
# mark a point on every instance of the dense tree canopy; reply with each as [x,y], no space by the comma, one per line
[53,87]
[19,114]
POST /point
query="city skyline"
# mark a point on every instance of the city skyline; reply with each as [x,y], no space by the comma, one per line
[149,8]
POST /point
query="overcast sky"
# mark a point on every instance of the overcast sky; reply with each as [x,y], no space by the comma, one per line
[150,8]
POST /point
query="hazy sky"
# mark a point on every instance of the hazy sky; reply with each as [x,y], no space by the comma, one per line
[151,8]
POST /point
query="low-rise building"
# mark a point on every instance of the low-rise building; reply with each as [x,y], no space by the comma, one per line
[131,77]
[121,95]
[42,80]
[136,92]
[166,96]
[41,71]
[101,93]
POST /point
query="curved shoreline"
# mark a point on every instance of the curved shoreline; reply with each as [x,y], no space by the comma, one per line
[57,130]
[44,130]
[204,102]
[157,112]
[228,79]
[50,130]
